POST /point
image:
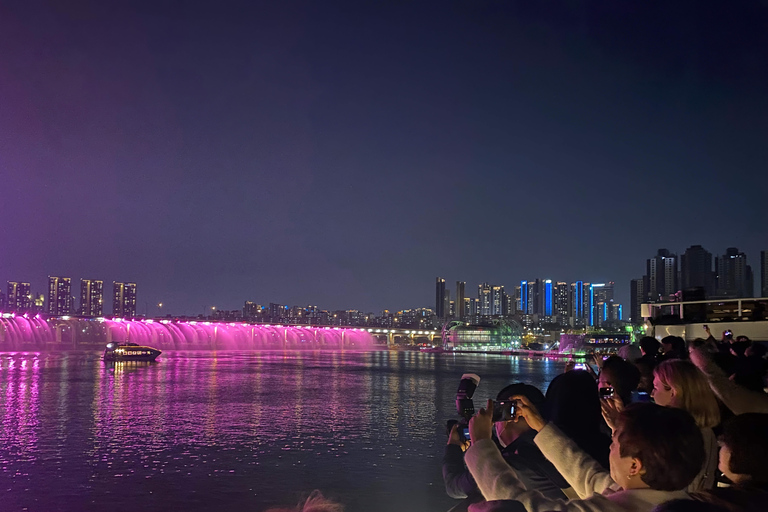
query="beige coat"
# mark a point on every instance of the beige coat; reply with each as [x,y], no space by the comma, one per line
[593,484]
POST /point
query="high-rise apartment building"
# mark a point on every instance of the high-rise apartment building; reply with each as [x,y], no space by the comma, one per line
[91,297]
[734,276]
[764,273]
[19,297]
[637,296]
[440,309]
[562,300]
[580,299]
[661,276]
[124,299]
[696,270]
[497,300]
[600,296]
[484,299]
[460,296]
[59,296]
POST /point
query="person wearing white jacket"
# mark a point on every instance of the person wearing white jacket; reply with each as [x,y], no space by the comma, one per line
[656,452]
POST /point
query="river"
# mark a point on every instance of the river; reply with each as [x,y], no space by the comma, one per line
[204,431]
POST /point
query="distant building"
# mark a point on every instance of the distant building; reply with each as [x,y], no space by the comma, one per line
[484,299]
[562,301]
[460,296]
[637,297]
[696,270]
[661,276]
[60,296]
[581,303]
[19,297]
[91,297]
[734,276]
[764,273]
[440,307]
[600,295]
[124,300]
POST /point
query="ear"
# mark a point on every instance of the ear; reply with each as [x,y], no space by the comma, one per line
[636,468]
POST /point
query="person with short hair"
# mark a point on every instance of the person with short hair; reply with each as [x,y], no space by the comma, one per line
[515,438]
[622,375]
[646,468]
[744,461]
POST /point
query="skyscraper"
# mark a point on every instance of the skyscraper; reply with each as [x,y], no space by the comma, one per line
[661,276]
[497,300]
[580,300]
[91,297]
[734,276]
[696,270]
[764,273]
[600,296]
[440,309]
[460,296]
[59,296]
[636,298]
[123,299]
[484,299]
[562,301]
[524,298]
[19,297]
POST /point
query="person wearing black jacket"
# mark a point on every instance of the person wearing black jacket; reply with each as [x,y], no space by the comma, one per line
[515,439]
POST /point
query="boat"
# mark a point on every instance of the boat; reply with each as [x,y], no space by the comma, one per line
[130,352]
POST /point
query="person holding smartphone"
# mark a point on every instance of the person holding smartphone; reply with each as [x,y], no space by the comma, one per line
[514,439]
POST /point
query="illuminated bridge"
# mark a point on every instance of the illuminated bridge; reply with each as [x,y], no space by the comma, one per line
[37,332]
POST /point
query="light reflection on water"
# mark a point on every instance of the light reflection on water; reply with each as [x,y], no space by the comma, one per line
[208,430]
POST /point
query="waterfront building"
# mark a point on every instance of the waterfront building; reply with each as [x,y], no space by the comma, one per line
[562,301]
[123,299]
[600,294]
[460,299]
[19,297]
[440,305]
[696,270]
[661,276]
[59,296]
[764,273]
[580,300]
[734,275]
[637,297]
[484,299]
[91,297]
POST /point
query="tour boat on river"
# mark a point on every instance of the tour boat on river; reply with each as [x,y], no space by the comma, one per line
[130,352]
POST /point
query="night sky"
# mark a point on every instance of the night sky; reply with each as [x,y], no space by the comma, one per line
[346,154]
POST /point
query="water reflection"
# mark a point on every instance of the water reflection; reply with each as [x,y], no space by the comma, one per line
[204,430]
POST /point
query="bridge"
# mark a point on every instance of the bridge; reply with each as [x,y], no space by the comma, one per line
[35,332]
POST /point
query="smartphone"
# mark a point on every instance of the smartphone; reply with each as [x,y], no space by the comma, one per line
[706,327]
[503,410]
[640,396]
[580,366]
[606,392]
[466,433]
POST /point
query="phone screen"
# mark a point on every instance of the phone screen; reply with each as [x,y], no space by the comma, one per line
[503,410]
[466,433]
[580,366]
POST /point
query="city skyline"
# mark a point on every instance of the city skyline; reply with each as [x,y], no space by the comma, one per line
[630,302]
[346,154]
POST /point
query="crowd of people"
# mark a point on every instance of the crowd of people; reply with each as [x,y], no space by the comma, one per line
[663,426]
[660,427]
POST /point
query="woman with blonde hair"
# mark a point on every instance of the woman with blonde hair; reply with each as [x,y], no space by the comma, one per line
[678,383]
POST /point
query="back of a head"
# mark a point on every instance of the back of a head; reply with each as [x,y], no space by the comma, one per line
[693,393]
[679,348]
[316,502]
[746,436]
[624,376]
[532,393]
[672,460]
[573,405]
[650,345]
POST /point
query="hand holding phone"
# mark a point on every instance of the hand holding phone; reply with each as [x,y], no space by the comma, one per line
[503,410]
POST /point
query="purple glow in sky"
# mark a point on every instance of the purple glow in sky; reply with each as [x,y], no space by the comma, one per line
[344,154]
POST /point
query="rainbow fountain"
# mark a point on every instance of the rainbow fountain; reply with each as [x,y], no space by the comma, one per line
[35,332]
